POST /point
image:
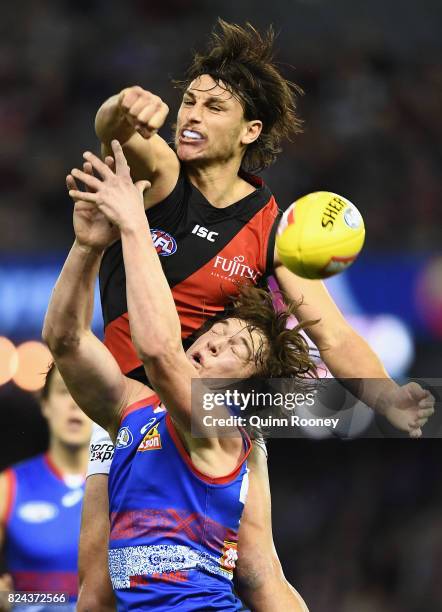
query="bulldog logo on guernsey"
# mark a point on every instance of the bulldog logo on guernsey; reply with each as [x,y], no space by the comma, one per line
[226,268]
[151,441]
[164,243]
[230,556]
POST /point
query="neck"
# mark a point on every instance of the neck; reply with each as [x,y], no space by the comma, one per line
[67,459]
[219,183]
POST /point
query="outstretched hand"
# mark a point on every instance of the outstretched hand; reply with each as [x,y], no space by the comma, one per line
[92,229]
[409,408]
[112,192]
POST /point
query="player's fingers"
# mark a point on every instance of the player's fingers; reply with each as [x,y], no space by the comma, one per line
[121,166]
[416,433]
[109,161]
[142,186]
[71,183]
[428,401]
[85,196]
[87,168]
[98,165]
[425,414]
[129,96]
[159,117]
[144,131]
[140,105]
[90,181]
[416,391]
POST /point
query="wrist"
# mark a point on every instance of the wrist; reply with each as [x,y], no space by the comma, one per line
[111,122]
[135,227]
[88,250]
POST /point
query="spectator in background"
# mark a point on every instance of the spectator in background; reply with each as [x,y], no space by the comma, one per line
[40,504]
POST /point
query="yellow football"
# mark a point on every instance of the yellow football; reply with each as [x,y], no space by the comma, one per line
[320,235]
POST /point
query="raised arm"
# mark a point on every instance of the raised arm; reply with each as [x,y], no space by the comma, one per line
[89,370]
[133,117]
[155,325]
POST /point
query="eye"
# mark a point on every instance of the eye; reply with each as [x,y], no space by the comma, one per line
[188,102]
[215,108]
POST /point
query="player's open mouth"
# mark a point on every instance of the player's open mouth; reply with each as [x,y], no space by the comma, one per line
[197,360]
[191,136]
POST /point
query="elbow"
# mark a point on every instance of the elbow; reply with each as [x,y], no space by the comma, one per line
[161,352]
[162,358]
[60,343]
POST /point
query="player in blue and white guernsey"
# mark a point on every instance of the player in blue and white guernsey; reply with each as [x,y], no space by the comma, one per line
[40,504]
[175,500]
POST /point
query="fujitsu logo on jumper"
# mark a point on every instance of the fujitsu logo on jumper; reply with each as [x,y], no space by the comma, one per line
[234,267]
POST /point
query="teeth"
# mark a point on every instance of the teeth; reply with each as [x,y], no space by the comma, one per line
[191,134]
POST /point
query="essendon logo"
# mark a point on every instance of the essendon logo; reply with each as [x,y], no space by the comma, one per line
[164,243]
[230,556]
[152,440]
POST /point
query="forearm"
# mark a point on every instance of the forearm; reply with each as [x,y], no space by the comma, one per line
[111,123]
[154,322]
[259,591]
[71,306]
[350,358]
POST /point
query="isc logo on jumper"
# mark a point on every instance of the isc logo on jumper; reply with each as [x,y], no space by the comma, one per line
[151,441]
[203,232]
[164,243]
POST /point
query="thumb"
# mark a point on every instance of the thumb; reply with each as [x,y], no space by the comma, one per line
[142,186]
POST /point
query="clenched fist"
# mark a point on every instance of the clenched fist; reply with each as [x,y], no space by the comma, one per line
[143,110]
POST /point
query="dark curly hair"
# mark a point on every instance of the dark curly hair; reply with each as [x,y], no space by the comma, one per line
[241,60]
[286,353]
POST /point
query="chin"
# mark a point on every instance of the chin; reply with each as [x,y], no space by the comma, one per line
[75,442]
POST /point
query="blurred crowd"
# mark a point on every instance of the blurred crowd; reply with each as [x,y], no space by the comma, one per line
[373,127]
[358,526]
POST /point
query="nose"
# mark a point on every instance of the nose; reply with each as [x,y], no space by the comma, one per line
[194,114]
[215,345]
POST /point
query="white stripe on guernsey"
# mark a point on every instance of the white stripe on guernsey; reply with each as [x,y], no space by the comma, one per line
[147,560]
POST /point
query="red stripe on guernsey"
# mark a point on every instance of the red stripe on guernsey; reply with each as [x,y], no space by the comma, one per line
[218,480]
[64,582]
[168,522]
[52,467]
[152,400]
[11,487]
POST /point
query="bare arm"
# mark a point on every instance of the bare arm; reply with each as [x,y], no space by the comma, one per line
[89,370]
[155,325]
[260,581]
[95,591]
[348,356]
[133,117]
[5,579]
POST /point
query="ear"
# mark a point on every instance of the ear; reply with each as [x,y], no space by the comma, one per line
[44,408]
[252,130]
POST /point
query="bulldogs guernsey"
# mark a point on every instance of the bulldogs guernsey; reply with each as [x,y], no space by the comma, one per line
[203,250]
[174,531]
[42,527]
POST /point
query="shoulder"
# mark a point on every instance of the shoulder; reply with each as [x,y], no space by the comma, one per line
[138,396]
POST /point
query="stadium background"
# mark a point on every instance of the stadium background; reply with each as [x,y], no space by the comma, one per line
[358,524]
